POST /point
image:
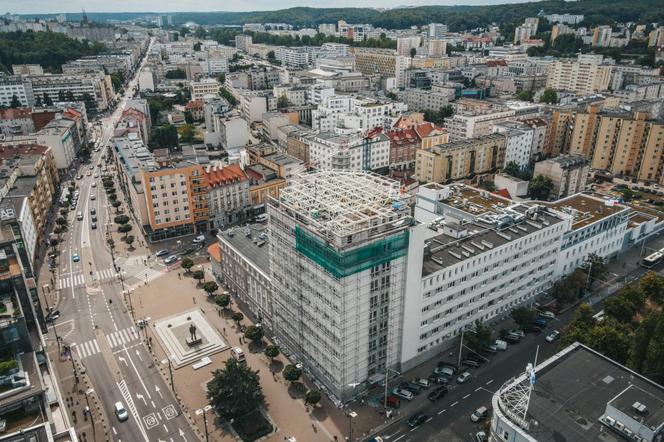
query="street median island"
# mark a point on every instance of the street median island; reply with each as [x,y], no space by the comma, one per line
[187,337]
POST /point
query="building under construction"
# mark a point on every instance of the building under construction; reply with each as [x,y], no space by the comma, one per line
[338,245]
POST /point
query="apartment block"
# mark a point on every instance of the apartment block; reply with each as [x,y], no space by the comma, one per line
[476,123]
[460,159]
[338,277]
[15,86]
[569,174]
[473,256]
[228,195]
[331,151]
[404,143]
[96,86]
[519,142]
[207,86]
[16,121]
[581,77]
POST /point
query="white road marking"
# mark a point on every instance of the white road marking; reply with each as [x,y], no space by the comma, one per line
[478,389]
[442,411]
[115,432]
[400,437]
[428,420]
[466,396]
[489,382]
[452,405]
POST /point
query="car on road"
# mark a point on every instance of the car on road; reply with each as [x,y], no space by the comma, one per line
[75,257]
[162,252]
[199,239]
[171,259]
[479,414]
[93,226]
[541,322]
[93,211]
[403,394]
[89,173]
[553,336]
[121,412]
[79,177]
[52,315]
[94,184]
[413,388]
[463,377]
[417,419]
[424,383]
[93,218]
[444,371]
[93,197]
[437,393]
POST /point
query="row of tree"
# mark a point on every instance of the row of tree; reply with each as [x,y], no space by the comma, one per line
[632,329]
[49,49]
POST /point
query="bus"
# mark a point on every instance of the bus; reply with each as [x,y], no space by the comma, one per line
[653,259]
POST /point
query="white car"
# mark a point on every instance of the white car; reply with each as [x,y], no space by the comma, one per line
[463,377]
[121,412]
[553,336]
[199,239]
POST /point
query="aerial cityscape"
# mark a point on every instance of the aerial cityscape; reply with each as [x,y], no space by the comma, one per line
[378,222]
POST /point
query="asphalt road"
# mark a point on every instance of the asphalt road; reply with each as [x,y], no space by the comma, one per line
[95,323]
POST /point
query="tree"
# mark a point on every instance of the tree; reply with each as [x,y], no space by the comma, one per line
[112,197]
[291,373]
[121,219]
[642,336]
[111,243]
[176,74]
[549,96]
[188,117]
[226,95]
[524,317]
[312,397]
[61,221]
[187,133]
[512,169]
[222,301]
[47,100]
[116,205]
[210,287]
[254,333]
[187,264]
[197,46]
[235,390]
[479,338]
[125,228]
[270,55]
[413,52]
[15,102]
[597,267]
[525,95]
[653,366]
[620,308]
[130,240]
[64,211]
[165,136]
[282,102]
[59,231]
[652,286]
[610,341]
[540,188]
[237,317]
[271,351]
[198,275]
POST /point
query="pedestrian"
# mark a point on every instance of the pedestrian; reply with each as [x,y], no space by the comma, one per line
[179,276]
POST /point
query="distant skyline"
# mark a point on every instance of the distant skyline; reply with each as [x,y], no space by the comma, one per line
[68,6]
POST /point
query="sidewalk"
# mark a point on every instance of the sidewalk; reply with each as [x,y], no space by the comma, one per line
[171,294]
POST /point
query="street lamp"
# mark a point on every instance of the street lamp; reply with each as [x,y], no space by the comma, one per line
[204,411]
[351,415]
[170,370]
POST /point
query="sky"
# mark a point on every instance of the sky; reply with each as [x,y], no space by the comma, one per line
[51,6]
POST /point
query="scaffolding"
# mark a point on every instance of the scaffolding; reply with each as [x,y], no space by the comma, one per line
[345,202]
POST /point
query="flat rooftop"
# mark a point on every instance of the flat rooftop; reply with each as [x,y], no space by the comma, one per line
[474,201]
[572,391]
[586,209]
[253,247]
[480,236]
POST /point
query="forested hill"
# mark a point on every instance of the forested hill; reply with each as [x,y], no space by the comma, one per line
[457,17]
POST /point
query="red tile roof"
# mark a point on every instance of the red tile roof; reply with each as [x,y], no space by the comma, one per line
[504,193]
[402,136]
[494,63]
[424,130]
[133,112]
[215,251]
[194,104]
[22,149]
[226,175]
[15,113]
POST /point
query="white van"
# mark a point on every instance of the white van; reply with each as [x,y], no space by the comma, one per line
[79,216]
[261,218]
[238,354]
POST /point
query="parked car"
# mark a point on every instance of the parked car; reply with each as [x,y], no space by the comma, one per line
[480,436]
[393,401]
[417,419]
[413,388]
[463,377]
[491,349]
[171,259]
[93,226]
[93,197]
[553,336]
[547,314]
[162,252]
[479,414]
[424,383]
[199,239]
[470,363]
[520,333]
[541,322]
[445,371]
[439,379]
[93,211]
[403,394]
[93,218]
[437,393]
[514,339]
[500,345]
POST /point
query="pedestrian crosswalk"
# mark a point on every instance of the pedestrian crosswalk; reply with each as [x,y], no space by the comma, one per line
[67,281]
[102,275]
[115,339]
[86,349]
[120,337]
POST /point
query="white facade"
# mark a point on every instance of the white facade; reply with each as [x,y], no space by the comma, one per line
[329,151]
[519,142]
[11,86]
[476,269]
[146,80]
[361,114]
[207,86]
[472,126]
[253,106]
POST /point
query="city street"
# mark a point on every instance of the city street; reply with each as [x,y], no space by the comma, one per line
[94,321]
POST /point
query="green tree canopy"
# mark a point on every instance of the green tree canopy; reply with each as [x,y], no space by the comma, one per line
[187,264]
[210,287]
[291,373]
[549,96]
[540,188]
[235,390]
[254,333]
[271,351]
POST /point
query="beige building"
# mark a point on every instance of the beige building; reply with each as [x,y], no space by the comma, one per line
[656,37]
[578,76]
[569,174]
[460,159]
[621,143]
